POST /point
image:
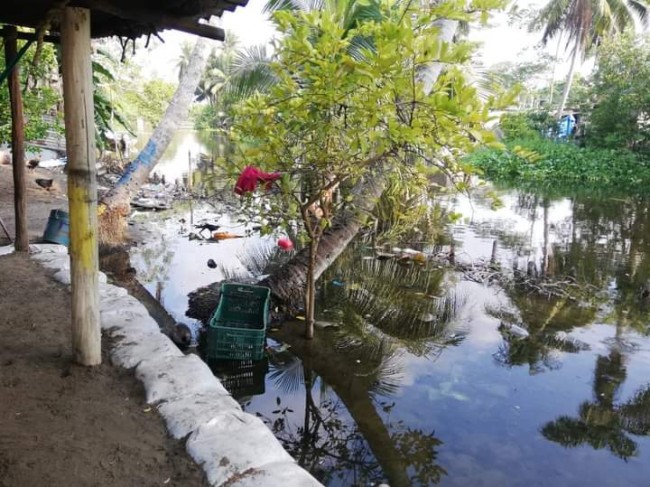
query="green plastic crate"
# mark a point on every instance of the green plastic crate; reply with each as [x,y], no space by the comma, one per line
[238,326]
[241,378]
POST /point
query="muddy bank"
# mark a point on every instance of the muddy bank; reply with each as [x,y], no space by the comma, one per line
[67,425]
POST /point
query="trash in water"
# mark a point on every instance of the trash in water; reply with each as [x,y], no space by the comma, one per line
[322,325]
[515,331]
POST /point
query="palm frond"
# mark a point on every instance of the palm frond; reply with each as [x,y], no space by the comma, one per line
[293,5]
[288,377]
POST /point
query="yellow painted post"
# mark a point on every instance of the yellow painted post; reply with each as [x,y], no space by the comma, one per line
[82,186]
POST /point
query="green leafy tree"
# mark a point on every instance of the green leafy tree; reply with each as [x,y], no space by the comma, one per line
[622,94]
[521,76]
[289,282]
[585,23]
[335,112]
[152,100]
[41,99]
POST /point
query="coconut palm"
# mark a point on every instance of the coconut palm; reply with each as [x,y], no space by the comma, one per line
[232,75]
[115,205]
[184,58]
[584,23]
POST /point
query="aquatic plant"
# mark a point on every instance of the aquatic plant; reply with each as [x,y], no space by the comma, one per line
[544,162]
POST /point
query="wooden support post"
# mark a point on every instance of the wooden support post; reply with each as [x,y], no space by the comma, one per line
[17,141]
[82,186]
[189,172]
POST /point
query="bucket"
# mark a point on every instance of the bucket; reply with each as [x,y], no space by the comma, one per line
[58,228]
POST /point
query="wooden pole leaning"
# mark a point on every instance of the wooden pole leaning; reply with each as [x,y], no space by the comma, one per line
[21,243]
[82,185]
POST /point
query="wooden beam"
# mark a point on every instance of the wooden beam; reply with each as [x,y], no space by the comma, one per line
[28,36]
[17,141]
[31,36]
[159,21]
[82,186]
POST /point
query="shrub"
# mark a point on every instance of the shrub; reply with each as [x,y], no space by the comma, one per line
[526,125]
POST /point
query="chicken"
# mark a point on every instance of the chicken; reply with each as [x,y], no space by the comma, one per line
[45,183]
[33,163]
[207,226]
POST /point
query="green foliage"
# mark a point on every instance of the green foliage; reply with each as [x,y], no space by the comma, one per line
[39,100]
[586,23]
[332,113]
[232,74]
[347,102]
[406,209]
[622,94]
[579,97]
[108,110]
[526,125]
[150,100]
[523,77]
[544,162]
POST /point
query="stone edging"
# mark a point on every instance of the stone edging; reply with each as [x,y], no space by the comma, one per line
[234,448]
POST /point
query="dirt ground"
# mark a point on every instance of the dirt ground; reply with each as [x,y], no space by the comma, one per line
[62,424]
[39,201]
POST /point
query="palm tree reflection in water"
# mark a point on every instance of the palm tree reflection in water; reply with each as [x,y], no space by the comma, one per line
[604,423]
[346,436]
[338,450]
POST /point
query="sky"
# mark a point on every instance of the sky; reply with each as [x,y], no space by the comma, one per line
[500,41]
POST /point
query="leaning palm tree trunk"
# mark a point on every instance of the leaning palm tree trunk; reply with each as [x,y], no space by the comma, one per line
[569,81]
[289,282]
[114,207]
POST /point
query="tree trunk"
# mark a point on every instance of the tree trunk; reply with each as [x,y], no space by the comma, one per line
[354,391]
[21,243]
[429,76]
[569,81]
[552,88]
[115,206]
[310,294]
[289,282]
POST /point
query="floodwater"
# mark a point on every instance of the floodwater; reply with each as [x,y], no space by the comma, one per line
[526,366]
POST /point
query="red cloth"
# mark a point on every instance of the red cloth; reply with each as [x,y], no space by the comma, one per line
[250,176]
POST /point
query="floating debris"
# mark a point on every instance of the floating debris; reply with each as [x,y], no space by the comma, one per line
[515,331]
[323,325]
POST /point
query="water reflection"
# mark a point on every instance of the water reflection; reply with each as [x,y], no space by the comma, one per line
[606,423]
[339,434]
[435,376]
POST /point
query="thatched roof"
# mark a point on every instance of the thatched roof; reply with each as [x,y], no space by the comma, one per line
[127,18]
